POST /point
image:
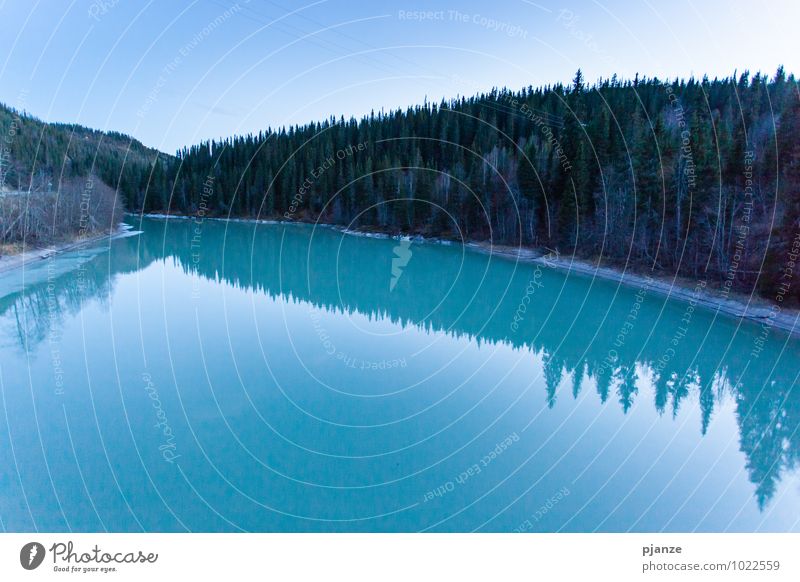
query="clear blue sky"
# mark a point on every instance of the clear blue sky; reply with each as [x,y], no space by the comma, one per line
[174,72]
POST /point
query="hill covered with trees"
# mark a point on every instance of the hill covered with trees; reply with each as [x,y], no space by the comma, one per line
[699,178]
[60,181]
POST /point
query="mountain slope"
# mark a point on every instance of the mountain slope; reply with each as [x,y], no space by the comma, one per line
[62,181]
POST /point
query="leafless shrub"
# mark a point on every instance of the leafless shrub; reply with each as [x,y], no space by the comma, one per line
[41,216]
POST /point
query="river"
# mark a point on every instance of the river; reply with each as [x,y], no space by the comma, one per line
[227,376]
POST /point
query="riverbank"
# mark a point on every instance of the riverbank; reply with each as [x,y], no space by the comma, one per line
[700,293]
[29,255]
[737,305]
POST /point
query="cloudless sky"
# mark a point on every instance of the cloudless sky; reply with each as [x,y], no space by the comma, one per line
[172,73]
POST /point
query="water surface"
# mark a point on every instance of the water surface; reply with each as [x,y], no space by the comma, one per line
[239,376]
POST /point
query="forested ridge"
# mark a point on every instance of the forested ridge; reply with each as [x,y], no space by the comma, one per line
[697,177]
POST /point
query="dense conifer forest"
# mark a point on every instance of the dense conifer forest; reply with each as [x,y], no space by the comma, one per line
[697,178]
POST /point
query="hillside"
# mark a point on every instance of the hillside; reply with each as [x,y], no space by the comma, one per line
[699,178]
[62,181]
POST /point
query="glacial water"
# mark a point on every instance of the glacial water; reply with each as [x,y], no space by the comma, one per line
[236,376]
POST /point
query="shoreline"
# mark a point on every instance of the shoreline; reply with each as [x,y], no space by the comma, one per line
[734,305]
[22,259]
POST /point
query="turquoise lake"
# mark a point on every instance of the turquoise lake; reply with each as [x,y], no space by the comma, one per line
[232,376]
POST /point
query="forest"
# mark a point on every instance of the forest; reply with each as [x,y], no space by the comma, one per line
[694,178]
